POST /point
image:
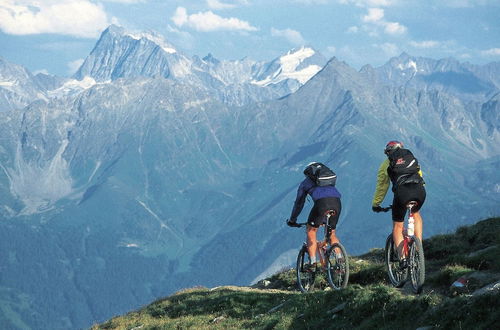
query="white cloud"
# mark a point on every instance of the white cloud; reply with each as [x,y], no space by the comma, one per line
[375,16]
[80,18]
[312,2]
[468,3]
[73,66]
[294,37]
[125,1]
[425,44]
[208,21]
[394,28]
[491,52]
[369,3]
[353,29]
[216,4]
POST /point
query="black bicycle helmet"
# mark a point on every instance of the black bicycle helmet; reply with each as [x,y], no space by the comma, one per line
[392,145]
[311,169]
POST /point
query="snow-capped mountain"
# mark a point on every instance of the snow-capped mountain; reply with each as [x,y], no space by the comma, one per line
[298,65]
[19,87]
[151,171]
[120,54]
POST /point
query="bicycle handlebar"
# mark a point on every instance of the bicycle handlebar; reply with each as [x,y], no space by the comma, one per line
[386,209]
[295,224]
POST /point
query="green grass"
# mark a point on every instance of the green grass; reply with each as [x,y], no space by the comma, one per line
[368,302]
[448,274]
[477,246]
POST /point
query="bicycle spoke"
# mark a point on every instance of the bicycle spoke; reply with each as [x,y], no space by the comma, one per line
[337,267]
[397,275]
[417,265]
[305,274]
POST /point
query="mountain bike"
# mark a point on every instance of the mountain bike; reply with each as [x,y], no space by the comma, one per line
[413,251]
[333,259]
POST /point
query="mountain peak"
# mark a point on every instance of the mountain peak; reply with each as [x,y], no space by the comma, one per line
[211,59]
[121,54]
[298,64]
[155,38]
[114,29]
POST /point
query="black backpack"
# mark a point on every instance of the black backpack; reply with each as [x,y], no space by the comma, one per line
[403,167]
[321,174]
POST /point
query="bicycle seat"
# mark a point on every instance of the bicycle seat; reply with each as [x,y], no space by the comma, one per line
[411,204]
[330,213]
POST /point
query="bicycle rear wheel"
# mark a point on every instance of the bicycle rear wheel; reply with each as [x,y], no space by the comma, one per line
[397,275]
[337,267]
[305,273]
[417,265]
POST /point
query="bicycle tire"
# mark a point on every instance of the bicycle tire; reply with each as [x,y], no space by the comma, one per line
[417,265]
[397,276]
[305,275]
[337,269]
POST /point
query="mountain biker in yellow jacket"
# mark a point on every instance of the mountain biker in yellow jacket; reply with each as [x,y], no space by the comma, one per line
[404,191]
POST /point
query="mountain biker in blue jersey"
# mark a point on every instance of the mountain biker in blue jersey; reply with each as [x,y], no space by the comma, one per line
[406,187]
[325,198]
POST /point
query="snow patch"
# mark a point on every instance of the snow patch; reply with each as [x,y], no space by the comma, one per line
[7,83]
[288,68]
[133,245]
[155,39]
[72,86]
[291,61]
[410,65]
[195,103]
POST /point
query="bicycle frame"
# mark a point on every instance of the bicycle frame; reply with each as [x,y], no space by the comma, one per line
[412,252]
[409,231]
[333,259]
[325,243]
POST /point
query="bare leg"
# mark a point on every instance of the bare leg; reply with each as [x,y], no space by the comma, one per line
[312,244]
[333,240]
[397,236]
[418,225]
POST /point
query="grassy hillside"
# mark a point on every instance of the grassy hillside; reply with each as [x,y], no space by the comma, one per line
[368,302]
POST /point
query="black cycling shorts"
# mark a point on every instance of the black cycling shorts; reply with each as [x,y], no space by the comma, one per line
[317,216]
[404,194]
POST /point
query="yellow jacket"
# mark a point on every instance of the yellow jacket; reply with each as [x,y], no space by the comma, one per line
[383,183]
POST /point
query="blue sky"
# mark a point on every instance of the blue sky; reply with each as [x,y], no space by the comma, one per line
[54,36]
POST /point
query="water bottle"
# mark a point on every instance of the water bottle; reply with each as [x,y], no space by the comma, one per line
[411,226]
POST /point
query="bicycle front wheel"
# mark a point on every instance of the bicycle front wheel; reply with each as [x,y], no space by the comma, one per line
[417,265]
[397,275]
[337,267]
[305,272]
